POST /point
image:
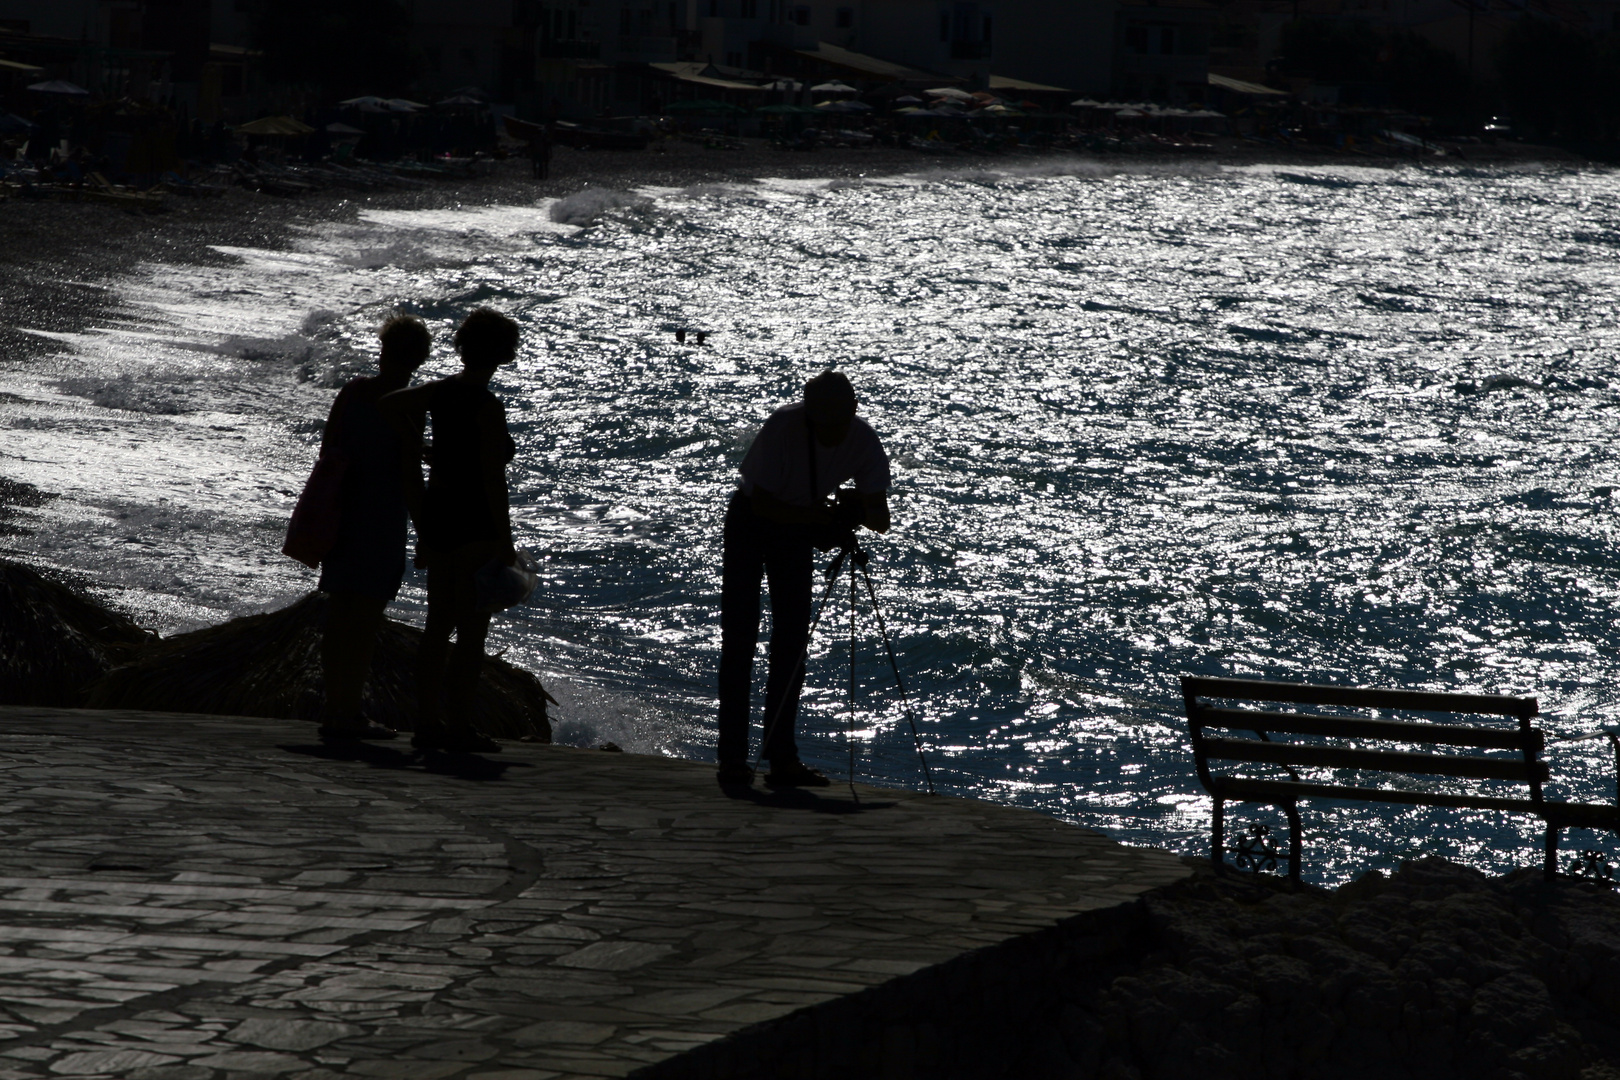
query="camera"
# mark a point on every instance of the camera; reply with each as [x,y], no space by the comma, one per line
[850,509]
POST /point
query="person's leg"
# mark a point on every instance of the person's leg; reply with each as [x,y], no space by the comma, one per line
[467,655]
[789,566]
[347,642]
[435,647]
[742,568]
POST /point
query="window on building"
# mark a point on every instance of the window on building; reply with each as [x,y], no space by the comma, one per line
[625,24]
[750,9]
[469,57]
[844,18]
[714,9]
[734,59]
[944,26]
[800,15]
[986,31]
[1136,38]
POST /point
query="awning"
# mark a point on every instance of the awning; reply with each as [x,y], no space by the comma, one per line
[691,72]
[1238,86]
[1002,82]
[274,125]
[870,66]
[18,66]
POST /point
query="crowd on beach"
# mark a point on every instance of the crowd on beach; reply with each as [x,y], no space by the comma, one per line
[368,485]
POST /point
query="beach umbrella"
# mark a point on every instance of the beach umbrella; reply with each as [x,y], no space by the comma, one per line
[844,106]
[458,99]
[1085,103]
[950,92]
[401,105]
[834,87]
[908,99]
[57,641]
[12,124]
[343,129]
[366,101]
[1206,114]
[270,665]
[58,86]
[274,125]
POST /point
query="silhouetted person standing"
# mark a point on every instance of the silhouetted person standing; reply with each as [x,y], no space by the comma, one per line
[463,522]
[778,514]
[362,571]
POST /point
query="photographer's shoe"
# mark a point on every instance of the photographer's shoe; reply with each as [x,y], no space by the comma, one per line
[734,774]
[794,774]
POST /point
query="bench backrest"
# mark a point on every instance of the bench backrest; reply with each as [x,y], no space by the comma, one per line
[1238,722]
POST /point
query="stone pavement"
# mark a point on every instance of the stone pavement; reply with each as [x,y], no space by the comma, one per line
[208,898]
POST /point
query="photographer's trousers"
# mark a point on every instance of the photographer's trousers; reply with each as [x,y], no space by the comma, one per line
[756,548]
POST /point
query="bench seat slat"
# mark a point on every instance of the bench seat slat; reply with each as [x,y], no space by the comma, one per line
[1288,790]
[1582,815]
[1355,727]
[1333,757]
[1358,697]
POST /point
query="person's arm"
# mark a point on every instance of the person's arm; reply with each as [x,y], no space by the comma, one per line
[877,511]
[493,444]
[406,412]
[768,506]
[331,434]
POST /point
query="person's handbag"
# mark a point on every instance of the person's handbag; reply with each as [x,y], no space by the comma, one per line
[313,530]
[499,586]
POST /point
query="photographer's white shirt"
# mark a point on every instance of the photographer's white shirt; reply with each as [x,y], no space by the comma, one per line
[778,461]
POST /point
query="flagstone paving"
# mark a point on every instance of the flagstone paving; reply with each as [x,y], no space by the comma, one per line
[207,898]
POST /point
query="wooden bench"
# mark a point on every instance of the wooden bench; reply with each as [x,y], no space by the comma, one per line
[1491,762]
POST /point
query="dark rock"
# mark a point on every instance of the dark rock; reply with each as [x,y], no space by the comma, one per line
[270,665]
[55,642]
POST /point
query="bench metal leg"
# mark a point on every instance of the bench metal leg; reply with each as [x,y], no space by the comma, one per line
[1549,865]
[1217,842]
[1293,842]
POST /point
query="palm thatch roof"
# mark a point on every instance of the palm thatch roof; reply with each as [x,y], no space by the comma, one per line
[270,665]
[54,642]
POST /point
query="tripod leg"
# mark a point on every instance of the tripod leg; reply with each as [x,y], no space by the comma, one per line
[894,664]
[852,601]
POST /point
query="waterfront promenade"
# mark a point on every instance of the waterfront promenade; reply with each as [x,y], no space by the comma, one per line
[190,898]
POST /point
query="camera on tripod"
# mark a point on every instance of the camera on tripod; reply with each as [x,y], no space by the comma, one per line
[848,512]
[848,508]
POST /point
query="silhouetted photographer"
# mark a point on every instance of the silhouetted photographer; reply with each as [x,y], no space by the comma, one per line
[781,512]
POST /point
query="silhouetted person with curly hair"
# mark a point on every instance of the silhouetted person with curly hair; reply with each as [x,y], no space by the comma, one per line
[463,522]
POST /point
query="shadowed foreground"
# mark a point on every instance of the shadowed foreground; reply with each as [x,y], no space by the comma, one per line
[193,898]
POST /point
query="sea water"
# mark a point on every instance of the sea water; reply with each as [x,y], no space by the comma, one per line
[1340,424]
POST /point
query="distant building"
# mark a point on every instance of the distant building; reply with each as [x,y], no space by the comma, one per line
[150,49]
[1161,50]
